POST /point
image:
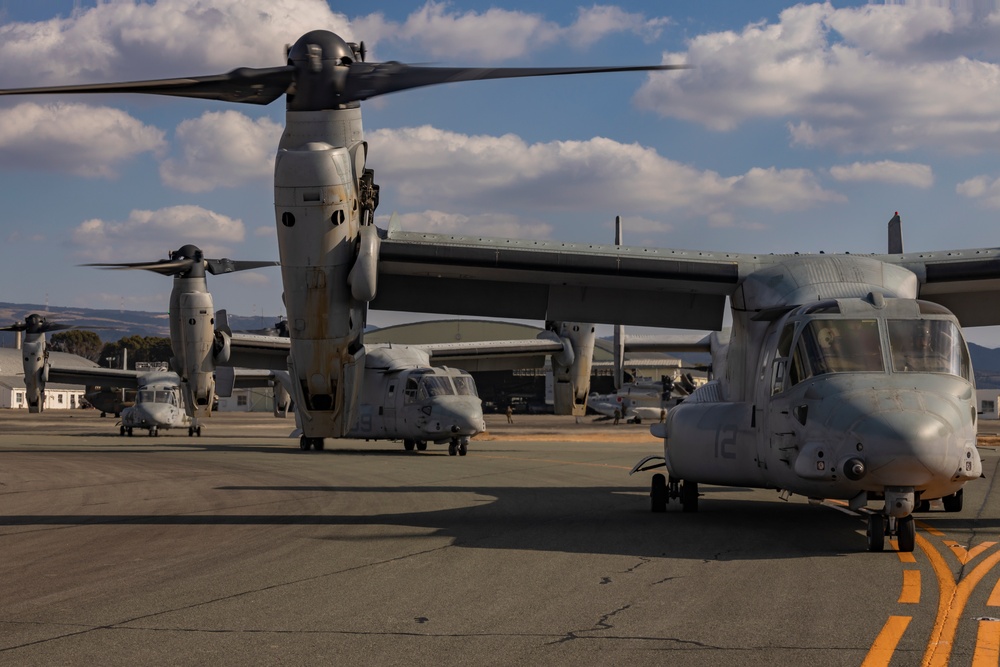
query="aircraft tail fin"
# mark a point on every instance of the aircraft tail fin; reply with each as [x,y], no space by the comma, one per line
[895,235]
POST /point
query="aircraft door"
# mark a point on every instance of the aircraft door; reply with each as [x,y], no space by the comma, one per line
[770,418]
[388,407]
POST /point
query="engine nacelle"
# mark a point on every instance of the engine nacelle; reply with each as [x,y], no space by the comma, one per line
[571,372]
[34,357]
[221,348]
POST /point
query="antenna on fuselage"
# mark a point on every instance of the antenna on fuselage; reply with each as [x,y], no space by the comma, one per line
[896,235]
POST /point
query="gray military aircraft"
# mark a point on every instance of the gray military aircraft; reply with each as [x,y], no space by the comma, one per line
[35,356]
[842,376]
[325,199]
[197,346]
[158,404]
[407,393]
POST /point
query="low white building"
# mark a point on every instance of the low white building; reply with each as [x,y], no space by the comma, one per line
[258,399]
[988,403]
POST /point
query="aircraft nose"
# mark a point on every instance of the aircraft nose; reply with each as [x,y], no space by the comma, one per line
[905,448]
[459,420]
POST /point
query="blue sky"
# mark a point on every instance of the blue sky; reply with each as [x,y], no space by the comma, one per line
[801,128]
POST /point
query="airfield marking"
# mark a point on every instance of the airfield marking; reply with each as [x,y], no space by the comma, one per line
[987,652]
[880,654]
[952,598]
[910,592]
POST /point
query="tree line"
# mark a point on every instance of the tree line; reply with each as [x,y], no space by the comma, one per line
[89,345]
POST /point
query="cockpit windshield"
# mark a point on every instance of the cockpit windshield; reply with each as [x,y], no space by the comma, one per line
[156,396]
[837,346]
[928,346]
[435,385]
[465,385]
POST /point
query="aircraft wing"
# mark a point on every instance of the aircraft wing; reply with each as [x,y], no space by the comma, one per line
[966,282]
[260,352]
[228,378]
[493,355]
[104,377]
[549,280]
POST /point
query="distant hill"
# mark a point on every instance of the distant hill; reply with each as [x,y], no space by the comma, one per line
[110,325]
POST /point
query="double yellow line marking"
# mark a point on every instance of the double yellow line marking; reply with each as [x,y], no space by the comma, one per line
[953,595]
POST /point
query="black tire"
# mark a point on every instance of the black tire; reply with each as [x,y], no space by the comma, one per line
[408,444]
[658,496]
[421,445]
[876,532]
[906,534]
[318,444]
[121,431]
[304,443]
[452,448]
[689,496]
[923,506]
[463,449]
[954,502]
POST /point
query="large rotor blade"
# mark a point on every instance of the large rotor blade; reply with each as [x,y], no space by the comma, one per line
[244,84]
[224,265]
[167,267]
[365,80]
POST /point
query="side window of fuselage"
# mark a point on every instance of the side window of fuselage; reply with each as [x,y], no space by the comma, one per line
[410,393]
[779,369]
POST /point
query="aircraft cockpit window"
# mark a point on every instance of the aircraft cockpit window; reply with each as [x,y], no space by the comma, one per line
[928,346]
[435,385]
[156,396]
[837,346]
[820,307]
[930,308]
[465,385]
[410,393]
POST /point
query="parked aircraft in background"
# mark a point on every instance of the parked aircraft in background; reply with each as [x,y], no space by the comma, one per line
[325,199]
[196,345]
[407,394]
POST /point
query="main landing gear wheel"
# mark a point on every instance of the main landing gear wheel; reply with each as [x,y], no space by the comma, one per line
[689,496]
[953,503]
[121,431]
[408,445]
[658,494]
[421,445]
[906,534]
[876,532]
[194,430]
[463,448]
[153,432]
[452,448]
[305,444]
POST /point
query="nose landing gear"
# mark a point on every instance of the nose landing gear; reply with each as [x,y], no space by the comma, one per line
[663,491]
[903,528]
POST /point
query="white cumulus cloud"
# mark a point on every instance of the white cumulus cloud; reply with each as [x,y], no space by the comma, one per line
[484,224]
[222,149]
[149,235]
[854,79]
[886,171]
[76,138]
[984,189]
[428,166]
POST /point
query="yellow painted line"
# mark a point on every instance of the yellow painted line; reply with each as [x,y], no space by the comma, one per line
[880,654]
[952,598]
[964,556]
[987,645]
[994,600]
[929,529]
[903,556]
[910,593]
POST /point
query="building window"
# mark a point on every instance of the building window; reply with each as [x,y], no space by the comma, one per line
[989,407]
[19,397]
[60,400]
[241,400]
